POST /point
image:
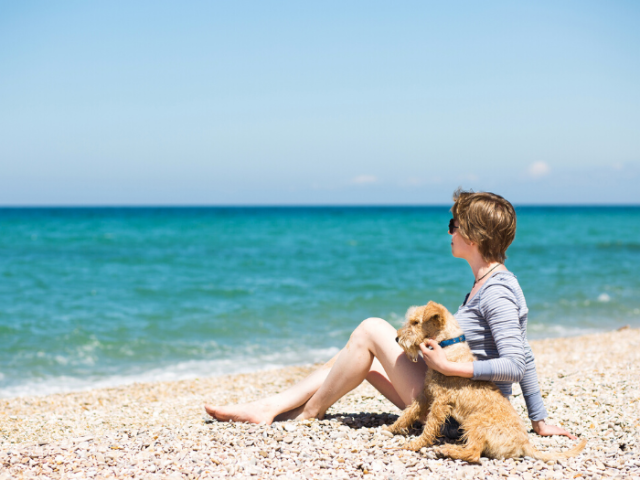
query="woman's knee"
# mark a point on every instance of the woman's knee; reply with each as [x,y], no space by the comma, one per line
[370,328]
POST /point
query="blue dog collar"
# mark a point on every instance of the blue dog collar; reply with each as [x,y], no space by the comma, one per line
[452,341]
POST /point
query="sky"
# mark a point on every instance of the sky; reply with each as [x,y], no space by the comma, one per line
[318,103]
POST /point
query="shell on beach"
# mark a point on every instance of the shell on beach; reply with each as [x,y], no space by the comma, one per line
[590,386]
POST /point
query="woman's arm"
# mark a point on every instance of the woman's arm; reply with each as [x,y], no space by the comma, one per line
[531,388]
[515,363]
[533,398]
[436,359]
[500,311]
[499,308]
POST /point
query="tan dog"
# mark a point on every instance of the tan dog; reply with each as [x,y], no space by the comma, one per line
[491,425]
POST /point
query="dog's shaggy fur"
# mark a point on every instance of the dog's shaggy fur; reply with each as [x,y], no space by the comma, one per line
[491,425]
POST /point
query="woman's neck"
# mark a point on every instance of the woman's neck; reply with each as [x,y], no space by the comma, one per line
[481,267]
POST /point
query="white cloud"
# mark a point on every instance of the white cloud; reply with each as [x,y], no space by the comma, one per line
[364,179]
[538,170]
[414,182]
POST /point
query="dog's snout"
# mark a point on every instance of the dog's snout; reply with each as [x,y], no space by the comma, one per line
[397,338]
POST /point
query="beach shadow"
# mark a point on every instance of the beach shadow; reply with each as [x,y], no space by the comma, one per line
[357,421]
[372,420]
[369,420]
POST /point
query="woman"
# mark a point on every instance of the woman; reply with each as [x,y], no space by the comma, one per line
[493,317]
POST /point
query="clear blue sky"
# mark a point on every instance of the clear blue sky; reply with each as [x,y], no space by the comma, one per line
[172,103]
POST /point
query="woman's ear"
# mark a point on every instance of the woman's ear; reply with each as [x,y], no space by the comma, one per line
[471,243]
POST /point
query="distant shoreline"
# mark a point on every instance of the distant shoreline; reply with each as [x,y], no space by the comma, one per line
[309,206]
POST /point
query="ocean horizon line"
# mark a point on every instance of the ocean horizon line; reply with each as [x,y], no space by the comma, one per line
[299,206]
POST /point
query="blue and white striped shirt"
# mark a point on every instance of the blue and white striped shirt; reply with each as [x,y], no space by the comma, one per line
[494,322]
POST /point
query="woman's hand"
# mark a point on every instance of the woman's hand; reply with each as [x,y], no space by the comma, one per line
[436,359]
[542,429]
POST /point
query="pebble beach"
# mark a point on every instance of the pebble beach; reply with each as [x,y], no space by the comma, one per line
[159,430]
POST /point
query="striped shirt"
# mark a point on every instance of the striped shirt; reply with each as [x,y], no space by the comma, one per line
[494,322]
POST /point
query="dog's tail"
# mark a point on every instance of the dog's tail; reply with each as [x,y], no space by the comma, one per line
[531,451]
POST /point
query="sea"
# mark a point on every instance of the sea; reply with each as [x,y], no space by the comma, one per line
[95,297]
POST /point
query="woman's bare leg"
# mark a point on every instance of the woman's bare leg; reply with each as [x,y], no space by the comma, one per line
[293,402]
[267,409]
[380,381]
[376,377]
[374,338]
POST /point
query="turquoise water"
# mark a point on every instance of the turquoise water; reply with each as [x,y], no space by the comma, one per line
[93,297]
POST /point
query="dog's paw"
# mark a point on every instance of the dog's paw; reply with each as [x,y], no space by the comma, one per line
[394,430]
[414,445]
[439,452]
[443,451]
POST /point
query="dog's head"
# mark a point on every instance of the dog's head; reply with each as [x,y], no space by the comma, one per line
[421,323]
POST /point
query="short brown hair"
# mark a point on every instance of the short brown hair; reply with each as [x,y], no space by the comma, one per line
[486,219]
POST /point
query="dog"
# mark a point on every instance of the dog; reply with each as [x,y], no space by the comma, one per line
[492,427]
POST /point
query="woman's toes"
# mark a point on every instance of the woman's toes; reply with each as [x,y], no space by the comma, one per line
[238,413]
[217,413]
[211,411]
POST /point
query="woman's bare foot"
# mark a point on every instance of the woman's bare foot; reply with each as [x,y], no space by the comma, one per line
[305,415]
[247,412]
[290,415]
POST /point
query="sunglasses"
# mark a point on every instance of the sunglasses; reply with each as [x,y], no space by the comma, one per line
[452,226]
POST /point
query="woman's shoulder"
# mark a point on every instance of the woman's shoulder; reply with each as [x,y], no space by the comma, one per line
[503,283]
[503,277]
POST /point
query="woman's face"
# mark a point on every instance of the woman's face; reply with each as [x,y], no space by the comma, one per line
[460,247]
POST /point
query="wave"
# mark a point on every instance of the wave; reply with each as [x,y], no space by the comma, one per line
[538,331]
[180,371]
[633,246]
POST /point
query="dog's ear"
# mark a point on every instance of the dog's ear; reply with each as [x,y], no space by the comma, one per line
[411,312]
[415,315]
[435,313]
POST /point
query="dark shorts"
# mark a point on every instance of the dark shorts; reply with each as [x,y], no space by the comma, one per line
[451,429]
